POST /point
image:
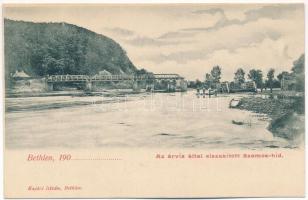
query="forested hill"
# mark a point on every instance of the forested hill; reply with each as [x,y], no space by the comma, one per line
[59,48]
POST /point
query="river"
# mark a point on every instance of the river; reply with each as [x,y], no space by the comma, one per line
[159,120]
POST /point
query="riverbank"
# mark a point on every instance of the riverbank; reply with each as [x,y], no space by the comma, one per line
[107,92]
[287,113]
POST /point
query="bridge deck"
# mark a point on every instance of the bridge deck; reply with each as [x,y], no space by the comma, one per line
[98,78]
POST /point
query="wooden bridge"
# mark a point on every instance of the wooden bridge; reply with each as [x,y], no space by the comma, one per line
[103,78]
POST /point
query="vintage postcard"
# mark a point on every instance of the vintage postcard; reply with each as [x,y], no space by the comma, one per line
[154,100]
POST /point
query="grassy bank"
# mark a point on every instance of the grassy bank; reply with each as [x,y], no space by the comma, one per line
[286,110]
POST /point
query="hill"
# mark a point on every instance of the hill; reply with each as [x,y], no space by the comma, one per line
[59,48]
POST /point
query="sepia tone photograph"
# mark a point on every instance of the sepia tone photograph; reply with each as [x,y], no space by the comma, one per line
[116,89]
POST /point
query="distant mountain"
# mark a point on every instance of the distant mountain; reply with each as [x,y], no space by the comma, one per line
[59,48]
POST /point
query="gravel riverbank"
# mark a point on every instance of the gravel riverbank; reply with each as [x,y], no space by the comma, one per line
[287,114]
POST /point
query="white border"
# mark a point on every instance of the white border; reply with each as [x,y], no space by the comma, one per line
[153,1]
[147,2]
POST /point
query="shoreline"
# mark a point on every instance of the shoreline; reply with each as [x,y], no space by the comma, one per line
[287,114]
[69,93]
[106,92]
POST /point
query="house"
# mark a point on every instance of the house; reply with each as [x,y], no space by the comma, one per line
[104,73]
[20,75]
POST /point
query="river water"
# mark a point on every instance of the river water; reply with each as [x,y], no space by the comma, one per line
[160,120]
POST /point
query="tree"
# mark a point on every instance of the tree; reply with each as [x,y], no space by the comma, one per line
[270,78]
[282,74]
[141,71]
[42,49]
[216,74]
[208,80]
[198,83]
[239,76]
[298,70]
[299,65]
[257,77]
[276,83]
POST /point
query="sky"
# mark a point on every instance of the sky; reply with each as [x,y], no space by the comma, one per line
[188,39]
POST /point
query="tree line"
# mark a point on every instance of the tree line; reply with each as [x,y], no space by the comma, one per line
[262,80]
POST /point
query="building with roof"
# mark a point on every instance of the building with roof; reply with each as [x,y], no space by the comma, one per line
[20,75]
[104,72]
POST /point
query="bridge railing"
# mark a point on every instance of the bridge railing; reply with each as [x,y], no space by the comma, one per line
[66,78]
[71,78]
[167,76]
[112,77]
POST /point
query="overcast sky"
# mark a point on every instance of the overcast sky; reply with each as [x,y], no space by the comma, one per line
[189,39]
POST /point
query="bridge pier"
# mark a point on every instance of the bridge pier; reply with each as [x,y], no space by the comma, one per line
[88,86]
[48,86]
[183,85]
[93,86]
[150,87]
[136,87]
[169,86]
